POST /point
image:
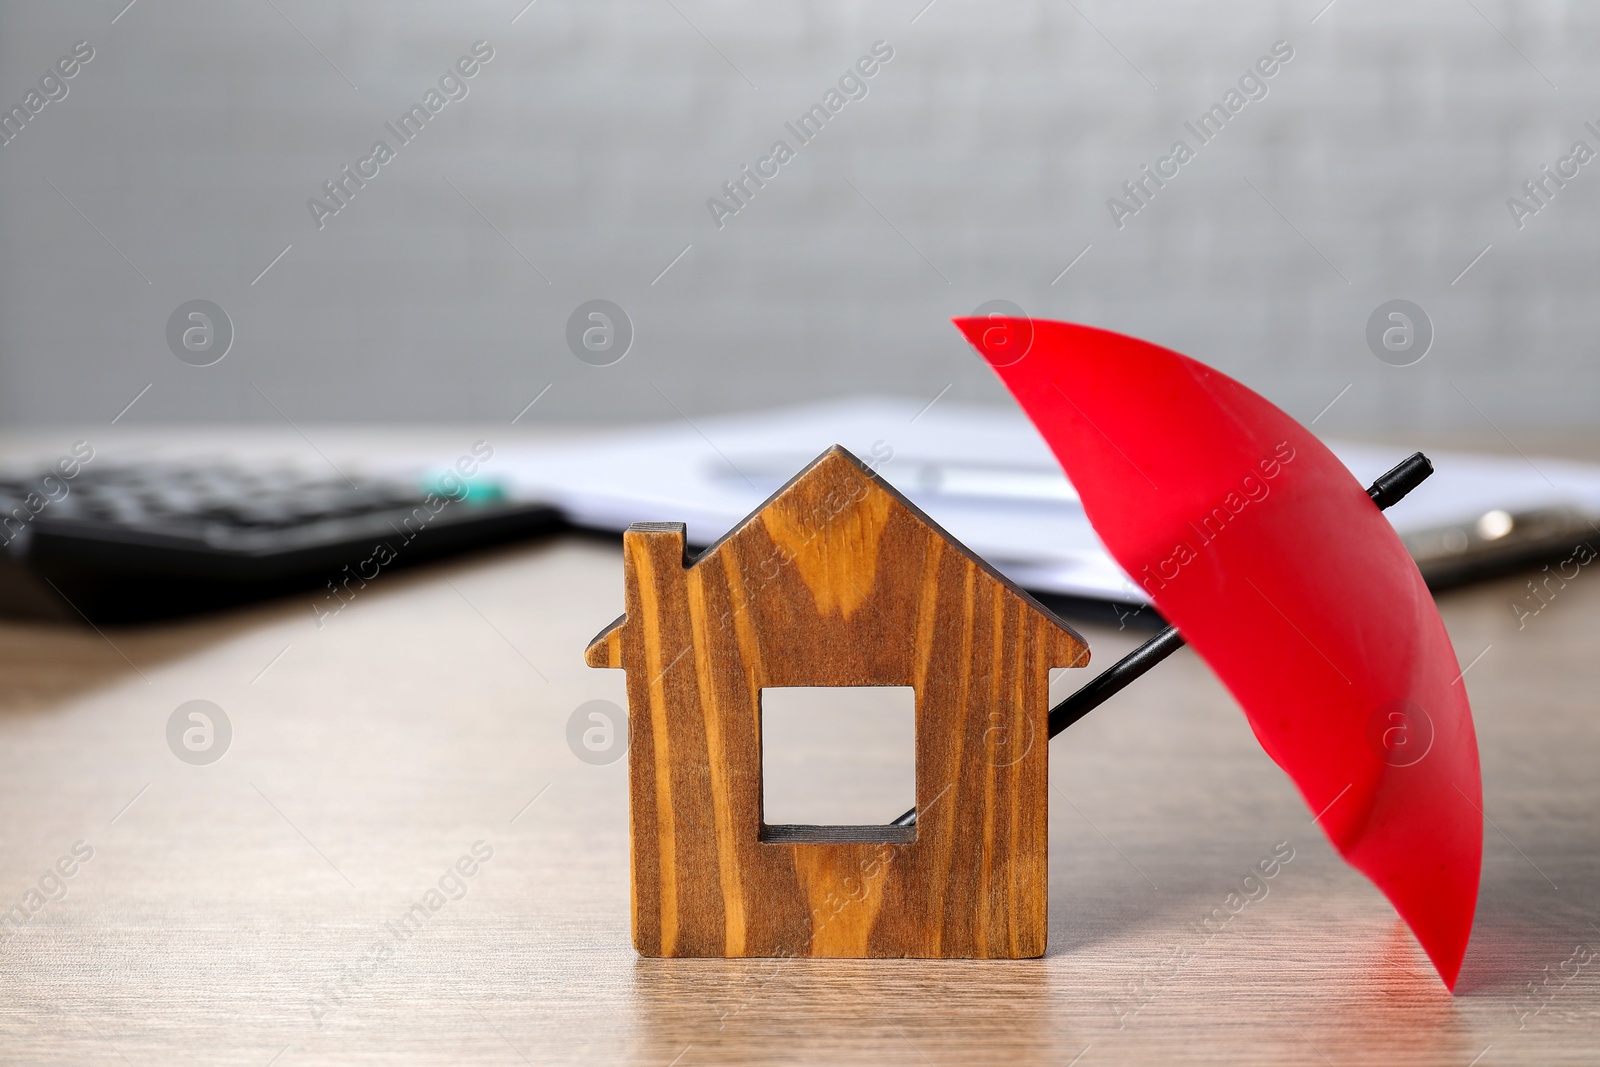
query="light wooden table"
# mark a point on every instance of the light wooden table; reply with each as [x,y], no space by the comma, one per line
[224,903]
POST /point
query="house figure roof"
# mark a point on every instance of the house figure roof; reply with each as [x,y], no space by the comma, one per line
[836,580]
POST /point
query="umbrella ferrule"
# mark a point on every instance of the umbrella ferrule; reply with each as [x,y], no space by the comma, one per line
[1392,487]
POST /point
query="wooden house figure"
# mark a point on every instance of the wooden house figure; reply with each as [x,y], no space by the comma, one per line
[837,580]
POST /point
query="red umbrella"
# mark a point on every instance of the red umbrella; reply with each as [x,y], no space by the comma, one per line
[1258,545]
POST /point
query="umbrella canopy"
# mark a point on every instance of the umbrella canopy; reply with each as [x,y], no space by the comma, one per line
[1272,561]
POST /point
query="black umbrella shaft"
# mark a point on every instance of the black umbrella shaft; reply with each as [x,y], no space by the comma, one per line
[1114,679]
[1099,689]
[1388,490]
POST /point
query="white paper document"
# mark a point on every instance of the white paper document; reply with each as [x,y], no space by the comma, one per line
[982,473]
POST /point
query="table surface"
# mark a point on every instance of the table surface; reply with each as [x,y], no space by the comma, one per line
[246,911]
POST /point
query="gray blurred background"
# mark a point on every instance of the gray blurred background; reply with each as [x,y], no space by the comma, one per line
[978,166]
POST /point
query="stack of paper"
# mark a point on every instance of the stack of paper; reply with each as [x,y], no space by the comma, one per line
[984,474]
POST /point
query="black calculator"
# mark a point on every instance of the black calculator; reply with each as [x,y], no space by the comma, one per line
[125,543]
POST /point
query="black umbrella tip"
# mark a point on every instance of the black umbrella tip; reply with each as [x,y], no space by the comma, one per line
[1392,487]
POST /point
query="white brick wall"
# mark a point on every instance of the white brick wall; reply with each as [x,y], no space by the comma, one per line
[593,138]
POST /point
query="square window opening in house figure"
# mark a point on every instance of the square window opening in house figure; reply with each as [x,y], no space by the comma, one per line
[837,762]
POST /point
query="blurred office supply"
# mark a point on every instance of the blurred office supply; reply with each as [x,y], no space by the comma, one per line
[986,476]
[167,536]
[157,534]
[122,542]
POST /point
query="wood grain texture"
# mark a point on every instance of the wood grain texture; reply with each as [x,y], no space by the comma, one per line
[836,580]
[434,709]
